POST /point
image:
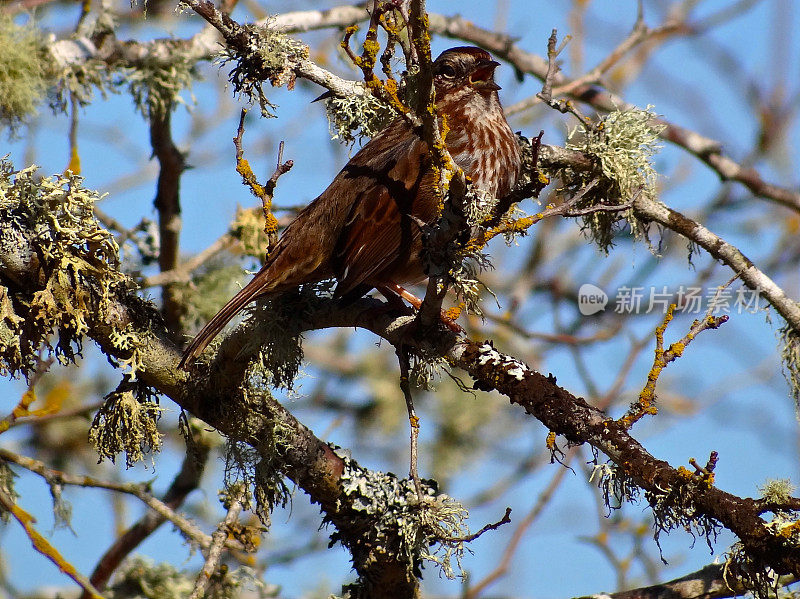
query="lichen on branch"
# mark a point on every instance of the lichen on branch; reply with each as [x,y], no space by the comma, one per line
[23,71]
[622,144]
[77,264]
[261,54]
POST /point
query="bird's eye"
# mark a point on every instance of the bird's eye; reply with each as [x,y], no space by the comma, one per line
[447,71]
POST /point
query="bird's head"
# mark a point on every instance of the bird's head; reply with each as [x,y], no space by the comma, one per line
[467,68]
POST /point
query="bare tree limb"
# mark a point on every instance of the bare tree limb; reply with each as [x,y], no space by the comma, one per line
[707,583]
[167,203]
[43,546]
[181,522]
[218,543]
[186,481]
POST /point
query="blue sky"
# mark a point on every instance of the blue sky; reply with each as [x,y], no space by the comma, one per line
[681,84]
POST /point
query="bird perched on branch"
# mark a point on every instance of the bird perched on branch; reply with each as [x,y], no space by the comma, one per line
[365,228]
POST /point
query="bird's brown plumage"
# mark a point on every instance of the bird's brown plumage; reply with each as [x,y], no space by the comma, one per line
[364,228]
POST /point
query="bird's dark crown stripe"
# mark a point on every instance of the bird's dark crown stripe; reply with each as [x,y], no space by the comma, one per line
[472,50]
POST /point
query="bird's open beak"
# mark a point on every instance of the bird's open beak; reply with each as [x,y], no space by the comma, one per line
[482,75]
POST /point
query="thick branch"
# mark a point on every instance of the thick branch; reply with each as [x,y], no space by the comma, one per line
[707,583]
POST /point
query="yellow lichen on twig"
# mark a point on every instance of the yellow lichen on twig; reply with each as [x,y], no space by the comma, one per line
[43,546]
[645,403]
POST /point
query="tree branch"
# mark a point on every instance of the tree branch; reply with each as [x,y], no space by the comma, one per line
[186,481]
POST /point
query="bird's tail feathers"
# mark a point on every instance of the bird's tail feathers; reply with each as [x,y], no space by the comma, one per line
[214,326]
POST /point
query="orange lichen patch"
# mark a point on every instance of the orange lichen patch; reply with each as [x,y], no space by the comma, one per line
[74,161]
[454,312]
[44,547]
[249,178]
[243,168]
[516,226]
[21,410]
[645,404]
[551,441]
[789,530]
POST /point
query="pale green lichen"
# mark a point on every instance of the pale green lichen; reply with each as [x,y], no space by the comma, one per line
[444,521]
[156,85]
[463,278]
[790,356]
[142,578]
[23,71]
[777,490]
[62,509]
[127,421]
[623,144]
[248,228]
[11,348]
[676,508]
[52,218]
[212,285]
[257,463]
[276,338]
[743,572]
[7,476]
[425,368]
[616,486]
[267,55]
[130,342]
[79,80]
[356,117]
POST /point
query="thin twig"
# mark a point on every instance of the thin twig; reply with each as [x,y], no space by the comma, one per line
[137,490]
[22,408]
[262,192]
[506,519]
[187,480]
[553,68]
[413,419]
[43,546]
[508,553]
[219,536]
[645,404]
[62,415]
[652,210]
[183,273]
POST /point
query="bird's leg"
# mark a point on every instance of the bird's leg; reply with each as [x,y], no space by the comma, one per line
[393,292]
[413,419]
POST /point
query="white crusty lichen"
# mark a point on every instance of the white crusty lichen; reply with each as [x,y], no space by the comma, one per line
[411,528]
[487,354]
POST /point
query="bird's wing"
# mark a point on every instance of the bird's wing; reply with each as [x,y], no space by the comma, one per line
[378,230]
